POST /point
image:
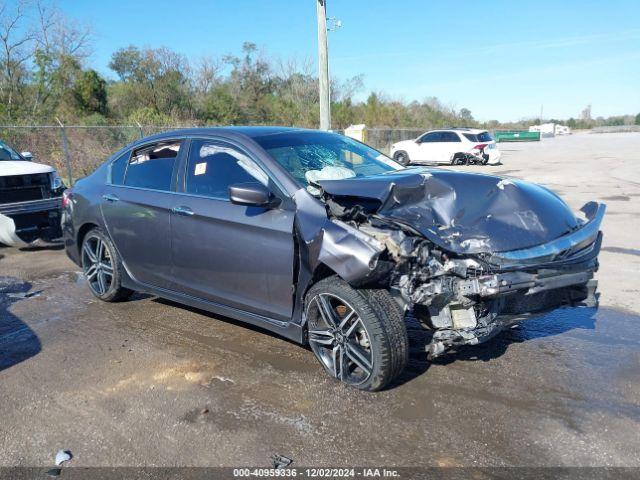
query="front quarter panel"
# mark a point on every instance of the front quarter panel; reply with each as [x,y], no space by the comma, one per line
[352,255]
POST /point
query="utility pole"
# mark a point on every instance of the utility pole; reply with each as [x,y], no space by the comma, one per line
[323,66]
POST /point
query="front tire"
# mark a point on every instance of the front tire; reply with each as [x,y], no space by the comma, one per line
[358,336]
[402,158]
[102,267]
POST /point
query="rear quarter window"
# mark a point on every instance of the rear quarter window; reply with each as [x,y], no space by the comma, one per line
[479,138]
[118,168]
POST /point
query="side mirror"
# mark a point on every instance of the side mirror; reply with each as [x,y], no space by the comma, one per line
[418,141]
[252,194]
[27,155]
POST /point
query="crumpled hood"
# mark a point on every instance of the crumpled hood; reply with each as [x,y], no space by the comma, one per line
[22,167]
[459,211]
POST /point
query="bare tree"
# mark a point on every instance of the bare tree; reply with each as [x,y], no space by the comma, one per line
[345,90]
[16,51]
[208,73]
[58,35]
[61,46]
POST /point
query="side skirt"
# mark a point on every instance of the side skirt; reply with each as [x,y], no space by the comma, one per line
[288,330]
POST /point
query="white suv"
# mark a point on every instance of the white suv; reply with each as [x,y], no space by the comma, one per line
[455,146]
[30,199]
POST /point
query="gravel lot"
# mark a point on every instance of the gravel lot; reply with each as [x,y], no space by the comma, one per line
[152,383]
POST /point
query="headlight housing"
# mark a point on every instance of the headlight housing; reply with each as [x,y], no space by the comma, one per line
[56,181]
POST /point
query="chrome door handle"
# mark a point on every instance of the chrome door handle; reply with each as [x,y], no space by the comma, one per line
[110,197]
[185,211]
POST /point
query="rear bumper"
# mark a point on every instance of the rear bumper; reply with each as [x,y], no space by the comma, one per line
[494,156]
[23,223]
[31,206]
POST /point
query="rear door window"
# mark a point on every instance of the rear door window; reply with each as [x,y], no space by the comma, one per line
[450,137]
[152,166]
[213,167]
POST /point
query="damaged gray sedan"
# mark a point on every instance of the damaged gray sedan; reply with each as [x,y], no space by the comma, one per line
[328,242]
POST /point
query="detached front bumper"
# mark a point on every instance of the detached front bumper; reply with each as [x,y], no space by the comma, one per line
[528,282]
[514,299]
[23,223]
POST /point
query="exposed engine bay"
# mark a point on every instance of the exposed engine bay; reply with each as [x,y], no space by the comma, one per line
[466,259]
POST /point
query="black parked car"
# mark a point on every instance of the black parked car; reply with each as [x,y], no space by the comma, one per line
[324,240]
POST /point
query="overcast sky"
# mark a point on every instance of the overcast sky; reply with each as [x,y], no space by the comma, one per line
[502,60]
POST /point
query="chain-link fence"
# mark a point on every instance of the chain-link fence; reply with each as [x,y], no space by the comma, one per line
[616,129]
[382,138]
[76,150]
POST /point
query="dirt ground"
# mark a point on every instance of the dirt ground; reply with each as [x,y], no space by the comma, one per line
[153,383]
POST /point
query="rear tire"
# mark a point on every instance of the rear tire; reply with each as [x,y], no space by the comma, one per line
[402,158]
[358,336]
[457,160]
[102,267]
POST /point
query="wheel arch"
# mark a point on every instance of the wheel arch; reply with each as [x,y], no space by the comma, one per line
[321,272]
[82,232]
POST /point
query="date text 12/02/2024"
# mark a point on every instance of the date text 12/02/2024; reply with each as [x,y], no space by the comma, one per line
[316,472]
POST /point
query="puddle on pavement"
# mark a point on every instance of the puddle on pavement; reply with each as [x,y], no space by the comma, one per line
[604,326]
[625,251]
[225,335]
[582,361]
[617,198]
[18,342]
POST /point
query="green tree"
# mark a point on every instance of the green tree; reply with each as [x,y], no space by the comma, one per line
[250,80]
[220,108]
[90,91]
[465,116]
[152,78]
[637,120]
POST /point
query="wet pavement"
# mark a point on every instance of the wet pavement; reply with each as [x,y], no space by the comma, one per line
[149,382]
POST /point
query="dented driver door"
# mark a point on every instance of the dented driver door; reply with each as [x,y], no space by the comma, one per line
[233,255]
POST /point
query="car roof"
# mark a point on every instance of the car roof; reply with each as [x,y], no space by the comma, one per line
[474,131]
[252,131]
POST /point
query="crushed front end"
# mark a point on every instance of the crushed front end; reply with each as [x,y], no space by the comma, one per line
[467,299]
[459,285]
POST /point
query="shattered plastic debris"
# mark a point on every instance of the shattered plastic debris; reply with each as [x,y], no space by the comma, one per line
[25,294]
[502,183]
[63,456]
[224,379]
[280,461]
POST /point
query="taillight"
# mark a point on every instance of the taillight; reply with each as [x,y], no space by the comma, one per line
[66,198]
[481,146]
